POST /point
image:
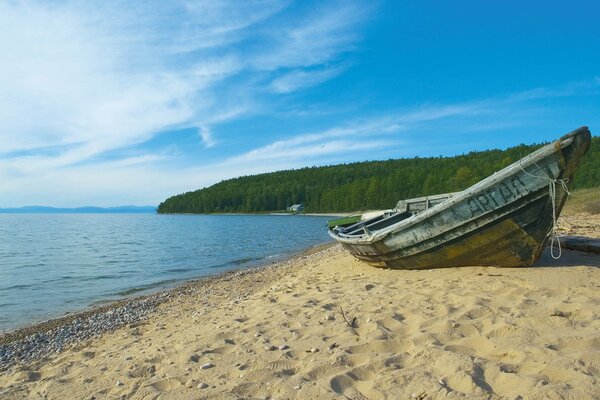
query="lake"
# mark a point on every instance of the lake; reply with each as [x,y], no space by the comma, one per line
[51,264]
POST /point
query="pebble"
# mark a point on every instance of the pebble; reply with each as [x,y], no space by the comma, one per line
[283,347]
[207,366]
[119,383]
[52,341]
[314,350]
[543,382]
[202,385]
[189,383]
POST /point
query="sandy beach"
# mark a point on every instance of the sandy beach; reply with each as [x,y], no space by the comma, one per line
[324,325]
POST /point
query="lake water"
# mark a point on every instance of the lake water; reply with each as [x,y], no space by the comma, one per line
[56,263]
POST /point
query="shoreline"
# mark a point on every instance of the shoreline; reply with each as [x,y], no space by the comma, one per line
[146,291]
[101,317]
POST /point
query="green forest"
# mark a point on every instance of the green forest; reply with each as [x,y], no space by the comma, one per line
[365,185]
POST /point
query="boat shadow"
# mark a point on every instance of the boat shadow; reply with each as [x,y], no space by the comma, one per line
[568,258]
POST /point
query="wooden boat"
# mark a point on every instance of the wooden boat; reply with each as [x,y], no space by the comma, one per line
[504,220]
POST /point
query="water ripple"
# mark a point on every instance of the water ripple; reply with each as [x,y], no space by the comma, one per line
[52,264]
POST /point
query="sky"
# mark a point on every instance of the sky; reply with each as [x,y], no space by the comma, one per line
[129,102]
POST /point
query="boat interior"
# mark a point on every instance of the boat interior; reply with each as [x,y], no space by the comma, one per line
[404,209]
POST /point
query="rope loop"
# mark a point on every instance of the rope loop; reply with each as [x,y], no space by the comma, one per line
[555,237]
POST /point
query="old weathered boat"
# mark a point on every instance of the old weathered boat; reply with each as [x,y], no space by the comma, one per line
[504,220]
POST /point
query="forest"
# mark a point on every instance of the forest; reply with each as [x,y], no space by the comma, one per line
[367,185]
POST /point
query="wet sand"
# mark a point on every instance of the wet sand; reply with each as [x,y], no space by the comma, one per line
[324,325]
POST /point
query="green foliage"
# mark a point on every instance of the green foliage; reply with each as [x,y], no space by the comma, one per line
[361,186]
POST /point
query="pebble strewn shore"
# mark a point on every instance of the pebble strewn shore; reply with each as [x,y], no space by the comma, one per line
[51,337]
[40,344]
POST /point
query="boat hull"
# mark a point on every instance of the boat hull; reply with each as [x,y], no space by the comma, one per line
[504,220]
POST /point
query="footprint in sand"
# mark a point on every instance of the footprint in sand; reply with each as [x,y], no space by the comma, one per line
[88,355]
[398,317]
[142,372]
[379,347]
[504,331]
[282,368]
[343,384]
[354,383]
[166,385]
[31,376]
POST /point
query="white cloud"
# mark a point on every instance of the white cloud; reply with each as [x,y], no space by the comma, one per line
[317,144]
[315,38]
[115,73]
[207,137]
[65,82]
[566,90]
[303,79]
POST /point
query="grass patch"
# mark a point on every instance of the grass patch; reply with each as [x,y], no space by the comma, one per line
[583,200]
[593,207]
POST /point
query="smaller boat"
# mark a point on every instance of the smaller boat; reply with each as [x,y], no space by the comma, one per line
[353,219]
[503,220]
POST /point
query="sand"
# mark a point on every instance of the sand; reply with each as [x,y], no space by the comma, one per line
[284,332]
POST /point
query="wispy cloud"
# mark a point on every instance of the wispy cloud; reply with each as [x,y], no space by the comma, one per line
[318,36]
[590,87]
[113,74]
[307,147]
[91,79]
[207,136]
[303,79]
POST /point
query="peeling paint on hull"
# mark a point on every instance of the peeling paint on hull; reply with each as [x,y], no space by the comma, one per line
[503,220]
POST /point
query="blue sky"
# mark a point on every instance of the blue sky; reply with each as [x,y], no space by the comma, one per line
[129,102]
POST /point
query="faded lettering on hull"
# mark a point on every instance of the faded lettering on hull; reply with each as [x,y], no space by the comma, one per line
[497,196]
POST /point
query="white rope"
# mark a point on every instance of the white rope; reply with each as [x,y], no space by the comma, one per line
[555,237]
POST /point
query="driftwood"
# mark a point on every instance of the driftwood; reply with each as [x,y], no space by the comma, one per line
[580,243]
[350,324]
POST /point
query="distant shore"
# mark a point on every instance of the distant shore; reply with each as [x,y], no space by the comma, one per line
[312,214]
[79,210]
[324,325]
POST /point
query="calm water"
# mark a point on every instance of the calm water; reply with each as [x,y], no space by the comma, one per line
[54,263]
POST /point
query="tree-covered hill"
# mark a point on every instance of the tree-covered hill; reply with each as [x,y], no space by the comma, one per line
[362,185]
